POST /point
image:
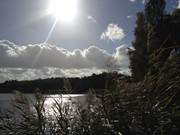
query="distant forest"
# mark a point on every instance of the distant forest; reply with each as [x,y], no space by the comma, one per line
[61,85]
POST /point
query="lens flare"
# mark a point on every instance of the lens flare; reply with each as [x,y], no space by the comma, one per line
[64,10]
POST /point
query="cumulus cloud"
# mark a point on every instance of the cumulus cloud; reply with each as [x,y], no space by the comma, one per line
[121,56]
[46,72]
[91,18]
[178,6]
[46,60]
[46,55]
[113,32]
[129,16]
[132,0]
[143,1]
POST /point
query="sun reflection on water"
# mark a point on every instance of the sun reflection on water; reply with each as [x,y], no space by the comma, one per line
[64,101]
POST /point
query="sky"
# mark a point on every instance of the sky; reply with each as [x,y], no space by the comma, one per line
[101,32]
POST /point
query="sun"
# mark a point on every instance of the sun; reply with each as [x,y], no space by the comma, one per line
[63,10]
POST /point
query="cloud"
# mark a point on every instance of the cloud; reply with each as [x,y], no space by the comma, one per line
[91,18]
[132,0]
[46,55]
[113,32]
[143,2]
[121,56]
[29,73]
[46,60]
[129,16]
[178,6]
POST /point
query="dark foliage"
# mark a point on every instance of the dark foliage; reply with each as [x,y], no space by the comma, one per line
[139,57]
[157,35]
[154,11]
[60,85]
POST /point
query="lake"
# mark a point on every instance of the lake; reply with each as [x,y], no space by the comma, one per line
[7,99]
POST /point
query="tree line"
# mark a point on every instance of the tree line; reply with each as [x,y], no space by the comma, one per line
[60,85]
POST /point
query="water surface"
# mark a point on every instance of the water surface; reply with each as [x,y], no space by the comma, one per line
[6,100]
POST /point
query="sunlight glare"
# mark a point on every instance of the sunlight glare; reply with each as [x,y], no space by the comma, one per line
[63,10]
